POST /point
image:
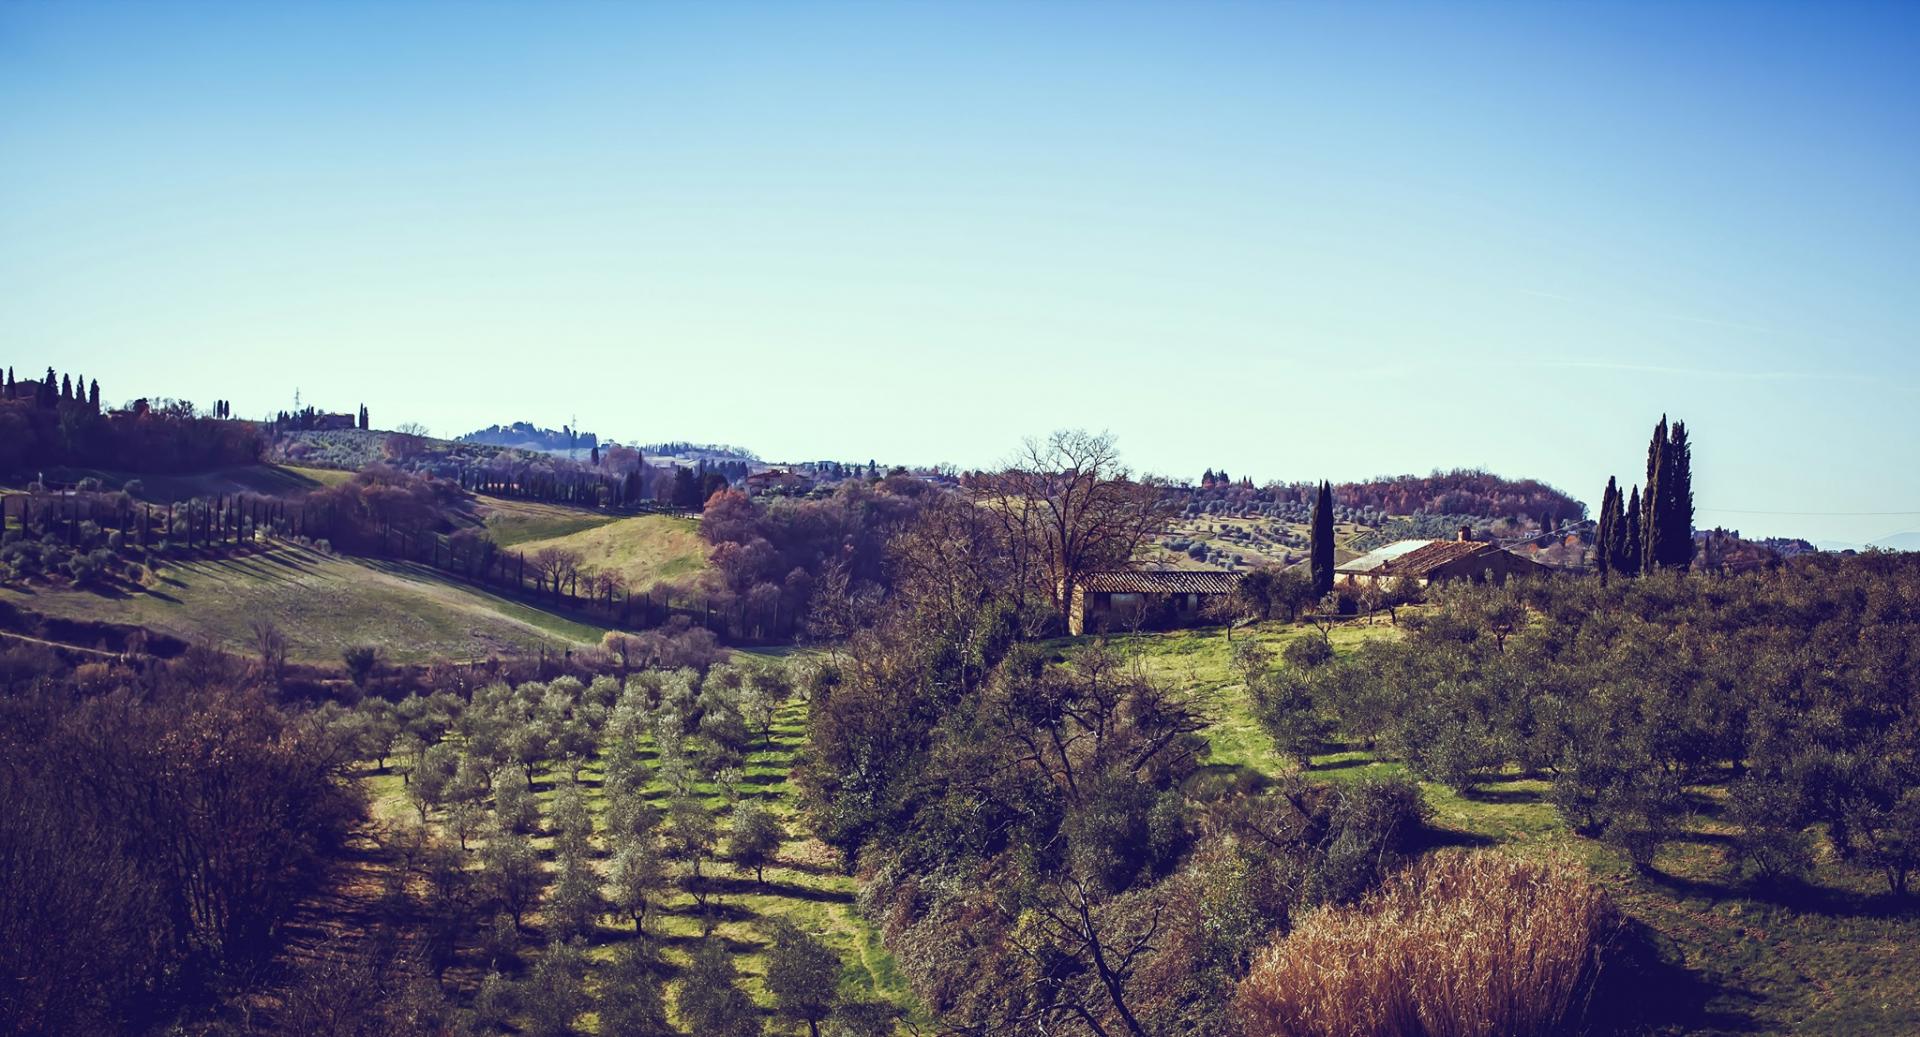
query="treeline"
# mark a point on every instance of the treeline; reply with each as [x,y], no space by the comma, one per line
[1793,689]
[90,537]
[1461,491]
[156,828]
[526,436]
[42,426]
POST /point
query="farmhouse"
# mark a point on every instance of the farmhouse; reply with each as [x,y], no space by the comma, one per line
[777,479]
[1435,561]
[1133,597]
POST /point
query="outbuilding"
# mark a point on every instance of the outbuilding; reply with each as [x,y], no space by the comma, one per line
[1127,598]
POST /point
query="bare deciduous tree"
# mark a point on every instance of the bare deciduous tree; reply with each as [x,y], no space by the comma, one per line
[1069,507]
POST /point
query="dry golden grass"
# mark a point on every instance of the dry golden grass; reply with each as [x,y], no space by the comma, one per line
[1460,944]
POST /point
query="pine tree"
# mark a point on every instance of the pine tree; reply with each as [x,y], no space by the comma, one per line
[1635,550]
[66,387]
[1321,555]
[1603,556]
[49,390]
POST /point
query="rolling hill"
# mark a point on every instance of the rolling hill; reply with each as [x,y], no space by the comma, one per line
[323,604]
[643,549]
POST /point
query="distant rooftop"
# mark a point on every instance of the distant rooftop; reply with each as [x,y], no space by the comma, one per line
[1412,557]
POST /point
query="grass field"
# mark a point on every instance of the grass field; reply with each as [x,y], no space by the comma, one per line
[642,549]
[512,523]
[323,604]
[804,887]
[1831,962]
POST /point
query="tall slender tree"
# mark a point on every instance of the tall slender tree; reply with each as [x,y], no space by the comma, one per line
[1677,536]
[1603,546]
[66,387]
[1321,553]
[93,396]
[1652,503]
[1635,546]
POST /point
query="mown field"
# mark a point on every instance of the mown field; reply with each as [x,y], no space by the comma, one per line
[1831,962]
[804,886]
[642,549]
[323,603]
[512,523]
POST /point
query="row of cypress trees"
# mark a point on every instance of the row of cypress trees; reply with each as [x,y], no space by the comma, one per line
[1643,533]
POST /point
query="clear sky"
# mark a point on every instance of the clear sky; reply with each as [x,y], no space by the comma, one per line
[1293,241]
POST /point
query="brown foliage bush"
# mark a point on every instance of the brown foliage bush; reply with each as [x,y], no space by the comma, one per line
[1459,944]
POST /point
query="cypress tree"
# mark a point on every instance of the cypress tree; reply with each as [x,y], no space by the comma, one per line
[49,390]
[66,387]
[93,396]
[1321,555]
[1635,549]
[1677,536]
[1653,524]
[1603,553]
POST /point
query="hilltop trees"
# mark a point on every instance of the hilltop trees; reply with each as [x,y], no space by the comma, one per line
[1321,554]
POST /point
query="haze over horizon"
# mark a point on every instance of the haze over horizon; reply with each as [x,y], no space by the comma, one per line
[1295,242]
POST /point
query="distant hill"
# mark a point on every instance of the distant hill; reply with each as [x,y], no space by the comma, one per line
[526,436]
[1908,541]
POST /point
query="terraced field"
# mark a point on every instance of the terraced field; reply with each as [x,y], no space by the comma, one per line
[804,886]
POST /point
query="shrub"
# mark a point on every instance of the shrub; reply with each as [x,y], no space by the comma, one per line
[1463,943]
[1307,652]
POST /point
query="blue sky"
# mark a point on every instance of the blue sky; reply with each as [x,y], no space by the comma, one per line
[1293,241]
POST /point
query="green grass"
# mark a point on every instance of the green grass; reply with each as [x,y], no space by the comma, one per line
[642,549]
[804,886]
[323,604]
[512,523]
[1834,961]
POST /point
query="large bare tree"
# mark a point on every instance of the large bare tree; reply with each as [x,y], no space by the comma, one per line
[1069,507]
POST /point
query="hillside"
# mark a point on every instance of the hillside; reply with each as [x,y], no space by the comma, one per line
[643,549]
[1741,961]
[323,604]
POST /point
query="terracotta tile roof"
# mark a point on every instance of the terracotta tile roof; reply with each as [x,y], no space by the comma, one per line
[1163,581]
[1398,560]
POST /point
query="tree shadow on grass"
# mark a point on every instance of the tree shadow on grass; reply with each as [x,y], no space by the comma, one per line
[1645,987]
[1505,796]
[1789,895]
[727,885]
